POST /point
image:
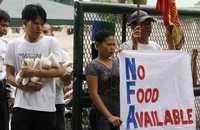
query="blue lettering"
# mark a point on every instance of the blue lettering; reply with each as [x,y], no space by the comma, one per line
[130,91]
[131,117]
[130,66]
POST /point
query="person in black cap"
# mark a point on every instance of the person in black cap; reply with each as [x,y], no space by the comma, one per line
[141,27]
[140,23]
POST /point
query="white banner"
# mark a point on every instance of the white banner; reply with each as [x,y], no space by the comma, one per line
[156,91]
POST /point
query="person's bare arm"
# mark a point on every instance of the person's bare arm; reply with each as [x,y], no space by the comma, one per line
[34,86]
[10,71]
[170,41]
[96,99]
[194,66]
[45,73]
[66,79]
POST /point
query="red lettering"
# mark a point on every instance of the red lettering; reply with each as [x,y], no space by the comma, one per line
[171,117]
[182,118]
[139,118]
[141,72]
[176,116]
[155,95]
[140,95]
[153,118]
[157,119]
[189,114]
[148,94]
[147,120]
[168,118]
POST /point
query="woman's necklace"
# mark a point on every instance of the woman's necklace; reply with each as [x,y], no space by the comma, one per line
[107,63]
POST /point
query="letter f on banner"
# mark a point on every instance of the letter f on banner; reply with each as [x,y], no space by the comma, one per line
[129,90]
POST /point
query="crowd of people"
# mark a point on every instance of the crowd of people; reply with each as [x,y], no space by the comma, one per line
[39,103]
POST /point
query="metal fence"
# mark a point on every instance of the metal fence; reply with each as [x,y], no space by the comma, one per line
[87,14]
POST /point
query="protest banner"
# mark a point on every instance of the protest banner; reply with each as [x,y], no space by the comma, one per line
[156,91]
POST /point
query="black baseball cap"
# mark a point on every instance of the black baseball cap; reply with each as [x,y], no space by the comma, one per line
[135,18]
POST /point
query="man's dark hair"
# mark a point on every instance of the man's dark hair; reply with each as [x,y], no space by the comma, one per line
[4,16]
[102,35]
[31,12]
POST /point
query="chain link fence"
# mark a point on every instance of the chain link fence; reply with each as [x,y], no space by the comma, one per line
[86,17]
